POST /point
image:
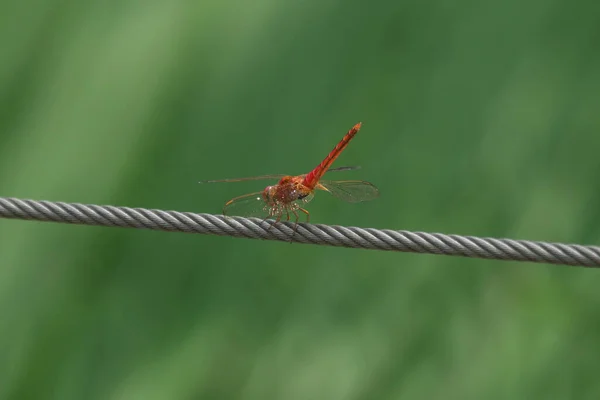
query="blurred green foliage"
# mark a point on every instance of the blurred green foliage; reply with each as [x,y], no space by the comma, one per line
[480,118]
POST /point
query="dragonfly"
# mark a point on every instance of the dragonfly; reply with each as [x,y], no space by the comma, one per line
[292,193]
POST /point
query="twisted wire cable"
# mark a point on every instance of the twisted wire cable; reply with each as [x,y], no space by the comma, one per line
[331,235]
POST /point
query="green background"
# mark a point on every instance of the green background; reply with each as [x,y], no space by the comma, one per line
[479,118]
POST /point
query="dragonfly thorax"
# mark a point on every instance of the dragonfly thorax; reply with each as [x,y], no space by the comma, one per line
[288,190]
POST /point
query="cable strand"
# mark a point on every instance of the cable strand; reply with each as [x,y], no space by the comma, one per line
[330,235]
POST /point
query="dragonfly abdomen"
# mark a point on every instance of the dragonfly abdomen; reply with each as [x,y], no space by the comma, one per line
[312,178]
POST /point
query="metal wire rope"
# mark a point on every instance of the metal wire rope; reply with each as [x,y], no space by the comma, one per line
[331,235]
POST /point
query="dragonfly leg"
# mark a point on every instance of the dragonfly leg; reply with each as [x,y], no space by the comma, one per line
[264,220]
[295,222]
[272,224]
[271,215]
[307,214]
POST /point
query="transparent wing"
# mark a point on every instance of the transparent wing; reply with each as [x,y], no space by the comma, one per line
[272,176]
[351,168]
[350,191]
[252,178]
[249,205]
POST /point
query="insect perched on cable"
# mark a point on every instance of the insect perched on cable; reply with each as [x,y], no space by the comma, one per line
[291,193]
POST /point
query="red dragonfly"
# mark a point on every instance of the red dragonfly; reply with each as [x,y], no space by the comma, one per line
[291,193]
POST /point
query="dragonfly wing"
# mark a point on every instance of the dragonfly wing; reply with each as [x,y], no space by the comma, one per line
[350,168]
[350,191]
[252,178]
[249,205]
[273,176]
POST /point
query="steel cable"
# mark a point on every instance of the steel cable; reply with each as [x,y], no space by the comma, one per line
[331,235]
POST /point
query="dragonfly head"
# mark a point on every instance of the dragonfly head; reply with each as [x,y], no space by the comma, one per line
[269,194]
